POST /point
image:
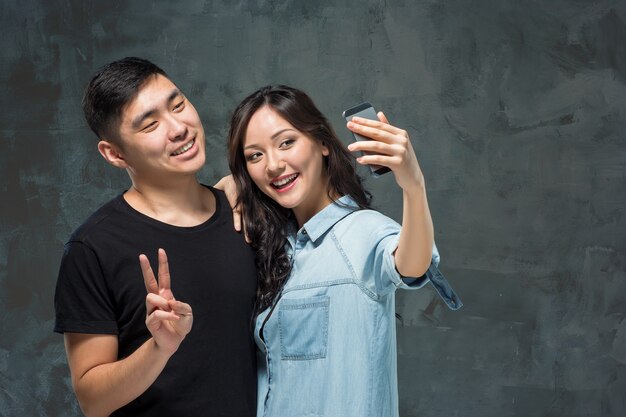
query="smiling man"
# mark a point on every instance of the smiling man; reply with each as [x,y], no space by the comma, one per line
[160,346]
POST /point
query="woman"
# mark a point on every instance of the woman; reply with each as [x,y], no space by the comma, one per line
[328,265]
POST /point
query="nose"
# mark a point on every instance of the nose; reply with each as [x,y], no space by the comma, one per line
[177,129]
[275,165]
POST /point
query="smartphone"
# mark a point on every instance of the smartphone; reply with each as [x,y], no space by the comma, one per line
[365,110]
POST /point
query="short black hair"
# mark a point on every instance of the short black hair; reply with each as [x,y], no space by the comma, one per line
[112,88]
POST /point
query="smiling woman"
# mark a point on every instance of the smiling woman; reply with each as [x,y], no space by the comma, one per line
[286,164]
[328,266]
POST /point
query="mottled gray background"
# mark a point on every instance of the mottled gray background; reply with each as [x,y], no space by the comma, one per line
[516,109]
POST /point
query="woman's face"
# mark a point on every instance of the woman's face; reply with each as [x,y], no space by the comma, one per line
[286,164]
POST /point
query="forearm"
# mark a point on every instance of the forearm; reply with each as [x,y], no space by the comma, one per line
[414,252]
[109,386]
[391,147]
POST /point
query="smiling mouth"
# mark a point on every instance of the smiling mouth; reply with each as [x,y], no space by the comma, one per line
[184,149]
[283,182]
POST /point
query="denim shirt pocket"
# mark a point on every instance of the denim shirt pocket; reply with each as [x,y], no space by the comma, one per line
[303,327]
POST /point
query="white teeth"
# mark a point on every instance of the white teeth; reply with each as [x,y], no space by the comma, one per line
[284,181]
[184,148]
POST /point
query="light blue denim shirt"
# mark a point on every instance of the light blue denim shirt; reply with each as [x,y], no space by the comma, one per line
[328,347]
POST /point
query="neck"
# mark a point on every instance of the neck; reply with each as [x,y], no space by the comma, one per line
[304,214]
[184,203]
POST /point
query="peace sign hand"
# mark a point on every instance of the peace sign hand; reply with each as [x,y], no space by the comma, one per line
[167,319]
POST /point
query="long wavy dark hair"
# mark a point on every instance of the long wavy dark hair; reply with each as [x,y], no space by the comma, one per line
[266,221]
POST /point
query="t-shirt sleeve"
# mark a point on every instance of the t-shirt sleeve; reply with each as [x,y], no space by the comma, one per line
[82,301]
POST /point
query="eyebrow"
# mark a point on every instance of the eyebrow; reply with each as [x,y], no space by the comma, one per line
[137,121]
[274,136]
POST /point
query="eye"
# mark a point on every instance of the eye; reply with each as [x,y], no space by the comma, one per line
[150,127]
[253,157]
[287,143]
[180,105]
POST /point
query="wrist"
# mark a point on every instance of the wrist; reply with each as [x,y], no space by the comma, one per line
[417,190]
[163,351]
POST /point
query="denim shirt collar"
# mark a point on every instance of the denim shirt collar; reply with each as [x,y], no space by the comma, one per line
[323,221]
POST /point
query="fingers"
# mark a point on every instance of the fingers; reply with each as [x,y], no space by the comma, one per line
[179,315]
[180,308]
[245,233]
[374,129]
[388,161]
[154,320]
[164,274]
[155,302]
[390,146]
[148,275]
[163,286]
[245,229]
[237,217]
[228,185]
[221,184]
[238,220]
[160,315]
[376,147]
[159,309]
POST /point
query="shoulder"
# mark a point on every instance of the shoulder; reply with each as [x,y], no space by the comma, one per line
[365,227]
[222,206]
[367,220]
[112,211]
[216,191]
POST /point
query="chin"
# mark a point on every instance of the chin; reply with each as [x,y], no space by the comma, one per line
[288,204]
[199,162]
[271,194]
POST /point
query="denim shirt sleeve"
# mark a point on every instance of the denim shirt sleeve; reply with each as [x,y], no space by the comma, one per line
[386,249]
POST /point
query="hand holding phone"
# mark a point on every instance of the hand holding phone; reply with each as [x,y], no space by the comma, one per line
[389,148]
[365,110]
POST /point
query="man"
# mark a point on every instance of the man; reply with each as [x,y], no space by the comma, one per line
[135,354]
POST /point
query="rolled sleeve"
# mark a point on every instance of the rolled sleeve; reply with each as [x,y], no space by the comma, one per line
[432,275]
[413,283]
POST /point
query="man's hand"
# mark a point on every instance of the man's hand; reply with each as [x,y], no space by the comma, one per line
[167,319]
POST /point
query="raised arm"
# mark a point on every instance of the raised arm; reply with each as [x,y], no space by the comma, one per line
[101,382]
[391,147]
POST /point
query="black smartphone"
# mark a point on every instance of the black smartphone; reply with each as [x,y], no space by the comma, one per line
[365,110]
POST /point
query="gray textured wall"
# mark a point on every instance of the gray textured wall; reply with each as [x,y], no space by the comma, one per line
[516,109]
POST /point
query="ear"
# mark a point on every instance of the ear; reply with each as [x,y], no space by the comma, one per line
[112,154]
[325,151]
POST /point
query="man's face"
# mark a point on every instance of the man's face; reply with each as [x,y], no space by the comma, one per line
[160,133]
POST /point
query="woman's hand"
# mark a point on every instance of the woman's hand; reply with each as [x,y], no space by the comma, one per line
[390,147]
[227,184]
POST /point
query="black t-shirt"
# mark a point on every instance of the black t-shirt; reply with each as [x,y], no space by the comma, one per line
[100,290]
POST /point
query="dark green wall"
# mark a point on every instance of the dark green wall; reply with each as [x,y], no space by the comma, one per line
[515,108]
